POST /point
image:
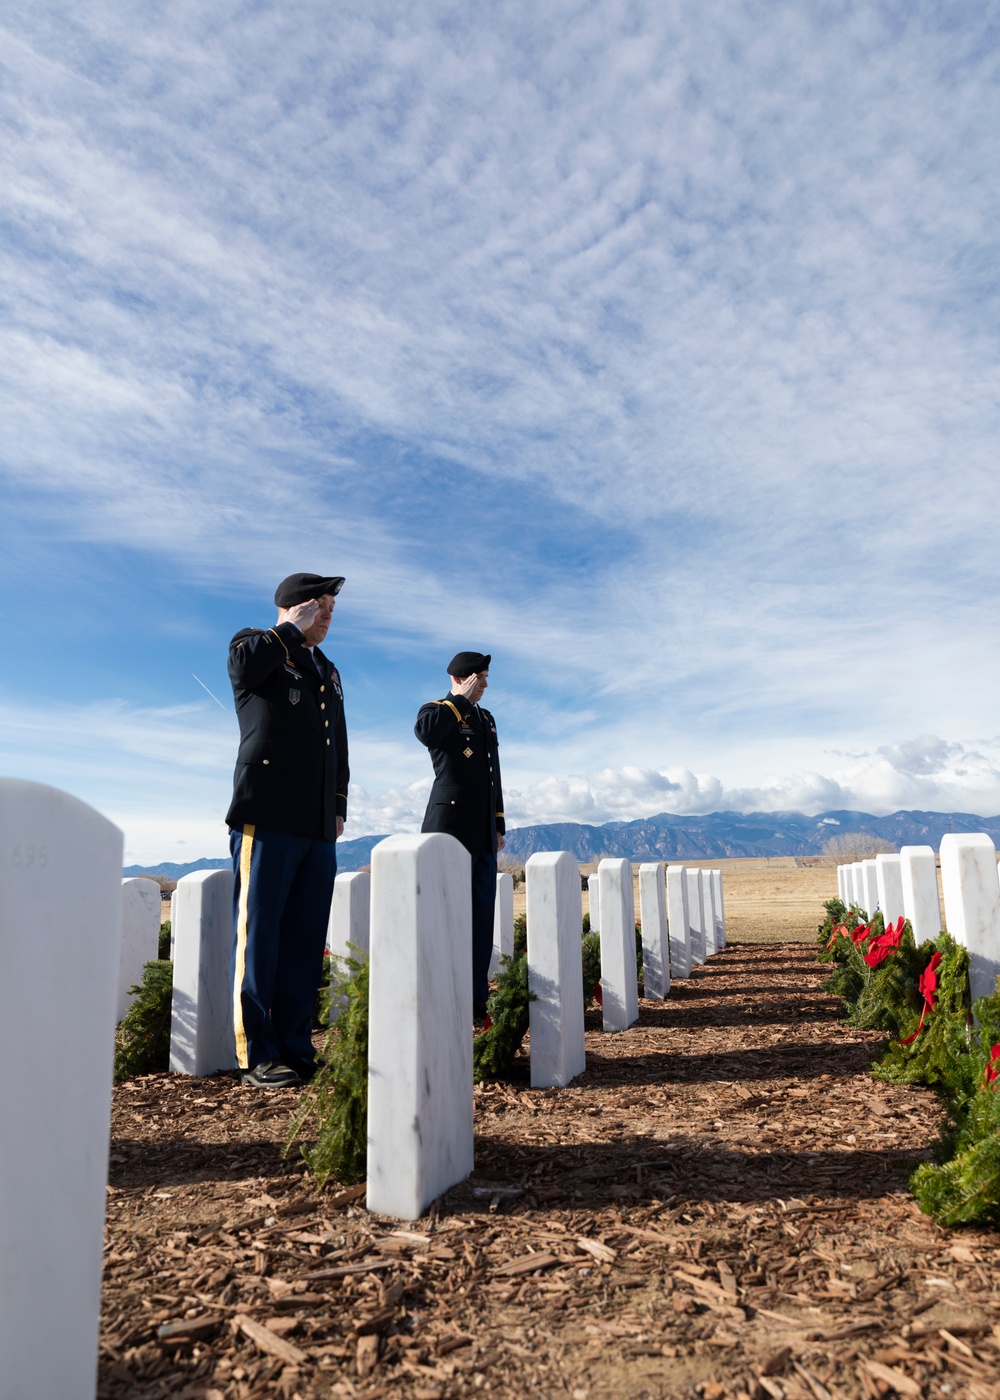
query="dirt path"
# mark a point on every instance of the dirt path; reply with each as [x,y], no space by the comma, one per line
[718,1207]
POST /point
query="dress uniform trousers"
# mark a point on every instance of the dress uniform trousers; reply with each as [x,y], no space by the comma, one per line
[281,895]
[484,893]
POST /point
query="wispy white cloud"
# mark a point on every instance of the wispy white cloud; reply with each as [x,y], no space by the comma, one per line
[654,346]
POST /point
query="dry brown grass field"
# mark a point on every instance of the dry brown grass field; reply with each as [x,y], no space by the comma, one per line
[774,901]
[767,900]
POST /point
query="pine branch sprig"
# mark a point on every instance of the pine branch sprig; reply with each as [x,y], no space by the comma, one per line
[142,1040]
[335,1103]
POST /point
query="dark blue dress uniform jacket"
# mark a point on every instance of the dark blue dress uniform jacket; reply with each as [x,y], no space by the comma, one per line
[291,770]
[466,800]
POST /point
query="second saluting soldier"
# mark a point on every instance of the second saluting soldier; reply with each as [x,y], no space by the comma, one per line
[466,800]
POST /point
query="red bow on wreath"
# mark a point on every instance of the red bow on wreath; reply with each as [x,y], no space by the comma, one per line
[885,944]
[993,1068]
[838,929]
[857,934]
[928,986]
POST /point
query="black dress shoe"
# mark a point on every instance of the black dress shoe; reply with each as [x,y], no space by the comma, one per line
[307,1070]
[271,1074]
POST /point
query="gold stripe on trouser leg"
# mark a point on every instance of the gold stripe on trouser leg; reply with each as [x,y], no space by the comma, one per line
[246,851]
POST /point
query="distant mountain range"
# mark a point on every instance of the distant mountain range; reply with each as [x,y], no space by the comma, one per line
[351,855]
[671,837]
[721,834]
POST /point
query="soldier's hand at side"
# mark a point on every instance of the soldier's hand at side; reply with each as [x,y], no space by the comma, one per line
[304,614]
[340,827]
[500,841]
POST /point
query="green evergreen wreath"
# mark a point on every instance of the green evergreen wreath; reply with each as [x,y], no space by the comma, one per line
[889,999]
[937,1041]
[494,1049]
[142,1040]
[940,1052]
[591,966]
[837,915]
[965,1190]
[336,1101]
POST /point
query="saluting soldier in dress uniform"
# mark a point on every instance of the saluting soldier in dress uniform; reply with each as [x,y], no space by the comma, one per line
[466,800]
[289,806]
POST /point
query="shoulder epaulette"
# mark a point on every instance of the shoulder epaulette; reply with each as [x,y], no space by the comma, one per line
[453,708]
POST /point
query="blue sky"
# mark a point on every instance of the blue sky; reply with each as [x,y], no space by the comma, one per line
[651,347]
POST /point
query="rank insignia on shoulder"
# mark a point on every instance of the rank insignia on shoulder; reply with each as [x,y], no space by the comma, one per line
[294,696]
[467,752]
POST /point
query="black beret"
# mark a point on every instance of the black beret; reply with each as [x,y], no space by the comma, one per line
[467,662]
[299,588]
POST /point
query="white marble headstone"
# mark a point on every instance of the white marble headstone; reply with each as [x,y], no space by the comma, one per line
[555,973]
[858,884]
[889,877]
[869,882]
[419,1023]
[173,922]
[619,982]
[594,901]
[678,921]
[841,884]
[140,936]
[708,911]
[503,920]
[696,916]
[201,1015]
[653,918]
[720,911]
[861,887]
[972,904]
[921,899]
[60,921]
[350,915]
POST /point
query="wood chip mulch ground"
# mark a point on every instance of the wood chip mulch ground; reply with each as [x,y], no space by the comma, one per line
[717,1208]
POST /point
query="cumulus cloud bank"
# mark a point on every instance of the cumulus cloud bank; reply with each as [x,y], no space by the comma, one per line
[922,774]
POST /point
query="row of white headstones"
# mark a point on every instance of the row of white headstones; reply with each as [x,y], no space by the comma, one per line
[907,885]
[411,915]
[63,909]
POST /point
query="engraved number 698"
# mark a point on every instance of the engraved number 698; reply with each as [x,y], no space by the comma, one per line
[24,857]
